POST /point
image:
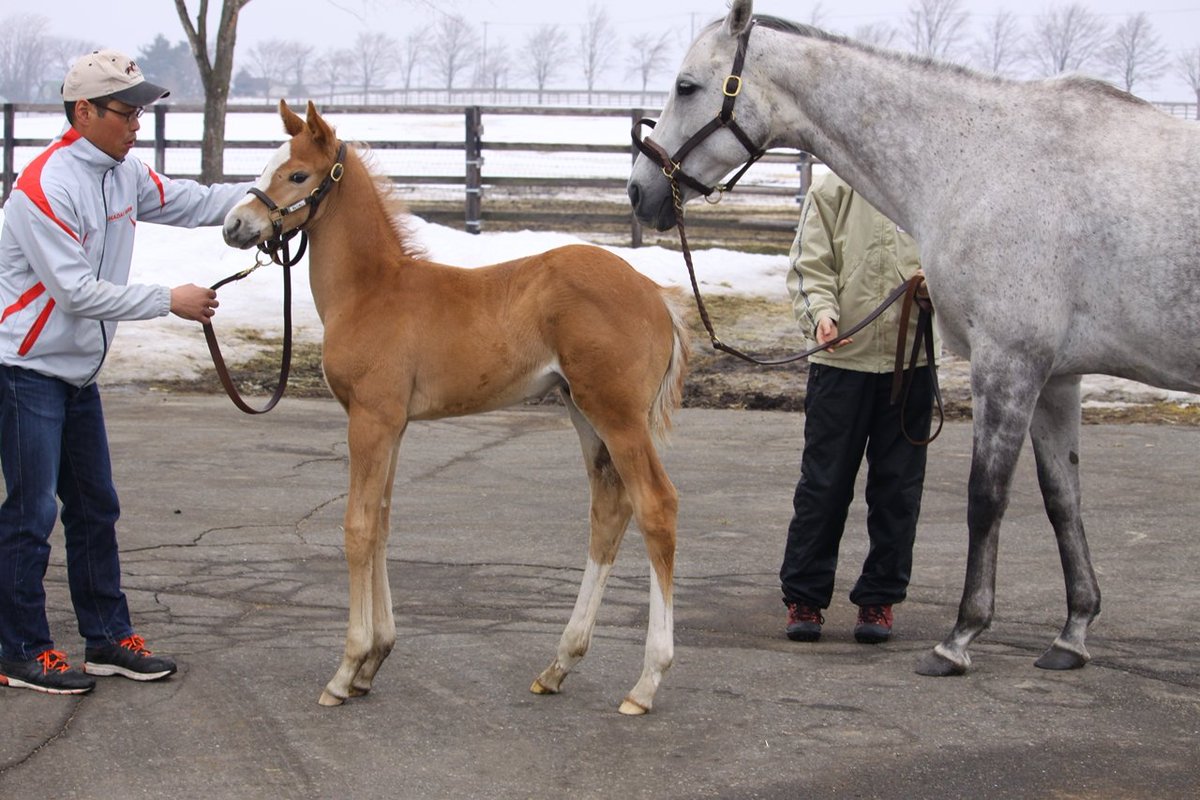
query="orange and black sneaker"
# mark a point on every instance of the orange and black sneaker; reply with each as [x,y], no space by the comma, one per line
[874,624]
[47,672]
[804,622]
[128,658]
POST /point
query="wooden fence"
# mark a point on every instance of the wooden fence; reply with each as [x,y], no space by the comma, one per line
[475,179]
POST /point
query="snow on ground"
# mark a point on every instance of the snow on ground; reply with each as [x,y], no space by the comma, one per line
[172,348]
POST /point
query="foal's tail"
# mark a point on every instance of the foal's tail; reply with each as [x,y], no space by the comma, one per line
[670,391]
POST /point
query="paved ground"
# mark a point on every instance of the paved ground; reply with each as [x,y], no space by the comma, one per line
[233,564]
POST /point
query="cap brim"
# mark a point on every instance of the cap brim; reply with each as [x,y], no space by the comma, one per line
[143,94]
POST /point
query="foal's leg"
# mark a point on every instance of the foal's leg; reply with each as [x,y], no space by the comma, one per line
[372,443]
[1003,398]
[655,507]
[384,629]
[1055,432]
[610,513]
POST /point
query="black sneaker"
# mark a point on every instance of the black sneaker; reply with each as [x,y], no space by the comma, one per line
[874,624]
[804,622]
[128,658]
[49,672]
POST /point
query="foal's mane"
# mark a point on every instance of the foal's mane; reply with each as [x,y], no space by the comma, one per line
[393,206]
[1079,83]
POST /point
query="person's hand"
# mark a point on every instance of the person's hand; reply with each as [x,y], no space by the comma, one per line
[197,303]
[827,331]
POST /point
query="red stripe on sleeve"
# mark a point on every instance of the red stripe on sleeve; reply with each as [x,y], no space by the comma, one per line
[30,181]
[162,193]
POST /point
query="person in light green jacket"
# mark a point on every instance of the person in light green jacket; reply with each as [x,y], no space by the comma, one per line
[847,257]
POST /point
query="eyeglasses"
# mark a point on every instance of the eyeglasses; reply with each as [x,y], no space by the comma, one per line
[129,116]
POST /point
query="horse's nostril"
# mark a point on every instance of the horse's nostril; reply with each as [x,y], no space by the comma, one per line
[635,195]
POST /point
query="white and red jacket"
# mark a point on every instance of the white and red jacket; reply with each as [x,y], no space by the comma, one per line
[66,249]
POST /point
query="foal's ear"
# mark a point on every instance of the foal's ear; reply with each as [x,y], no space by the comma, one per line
[292,124]
[317,126]
[740,14]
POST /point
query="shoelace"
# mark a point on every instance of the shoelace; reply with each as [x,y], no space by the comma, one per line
[874,615]
[135,643]
[53,661]
[806,614]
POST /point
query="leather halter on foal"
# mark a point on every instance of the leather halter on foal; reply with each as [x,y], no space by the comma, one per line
[277,250]
[913,290]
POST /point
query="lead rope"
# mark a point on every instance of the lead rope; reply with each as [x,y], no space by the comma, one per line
[910,290]
[214,349]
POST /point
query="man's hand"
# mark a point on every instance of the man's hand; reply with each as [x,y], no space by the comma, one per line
[193,302]
[827,331]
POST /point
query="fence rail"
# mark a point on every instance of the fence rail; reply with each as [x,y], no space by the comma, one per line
[475,178]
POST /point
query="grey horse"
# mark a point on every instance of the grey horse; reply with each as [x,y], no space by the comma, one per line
[1059,227]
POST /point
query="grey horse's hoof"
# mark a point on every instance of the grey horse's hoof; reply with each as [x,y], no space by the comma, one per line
[936,665]
[1059,658]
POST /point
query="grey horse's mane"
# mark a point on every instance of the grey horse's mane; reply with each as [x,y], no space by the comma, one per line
[1078,83]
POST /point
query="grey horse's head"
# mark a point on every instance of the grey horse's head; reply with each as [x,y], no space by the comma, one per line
[700,91]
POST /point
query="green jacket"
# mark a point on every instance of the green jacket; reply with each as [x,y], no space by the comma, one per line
[847,257]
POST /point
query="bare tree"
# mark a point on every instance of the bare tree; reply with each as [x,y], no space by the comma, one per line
[1066,38]
[216,72]
[59,55]
[545,48]
[455,46]
[1188,66]
[935,27]
[997,50]
[23,49]
[1135,54]
[876,34]
[597,43]
[269,62]
[411,51]
[648,55]
[373,59]
[298,57]
[331,68]
[816,15]
[495,67]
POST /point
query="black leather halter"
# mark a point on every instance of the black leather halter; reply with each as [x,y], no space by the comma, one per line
[278,243]
[671,165]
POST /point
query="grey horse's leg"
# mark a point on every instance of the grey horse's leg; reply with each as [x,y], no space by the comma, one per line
[1003,400]
[1055,432]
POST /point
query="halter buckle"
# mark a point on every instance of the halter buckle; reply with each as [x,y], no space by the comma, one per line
[736,80]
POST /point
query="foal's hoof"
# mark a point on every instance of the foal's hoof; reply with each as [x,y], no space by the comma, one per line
[1060,658]
[632,709]
[540,688]
[936,664]
[330,700]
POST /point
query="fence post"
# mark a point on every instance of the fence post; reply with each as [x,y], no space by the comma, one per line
[160,139]
[474,169]
[804,166]
[635,227]
[10,147]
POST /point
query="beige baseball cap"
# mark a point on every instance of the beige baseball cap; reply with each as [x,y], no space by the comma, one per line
[108,72]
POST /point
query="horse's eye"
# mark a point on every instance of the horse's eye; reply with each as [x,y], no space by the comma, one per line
[298,177]
[684,88]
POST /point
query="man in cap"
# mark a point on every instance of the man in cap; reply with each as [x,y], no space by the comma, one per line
[65,253]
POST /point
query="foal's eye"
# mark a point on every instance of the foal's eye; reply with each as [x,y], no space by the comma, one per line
[684,88]
[298,177]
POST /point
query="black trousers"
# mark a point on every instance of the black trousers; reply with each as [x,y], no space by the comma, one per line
[848,413]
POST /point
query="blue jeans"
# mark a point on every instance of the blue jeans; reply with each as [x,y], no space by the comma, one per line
[53,442]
